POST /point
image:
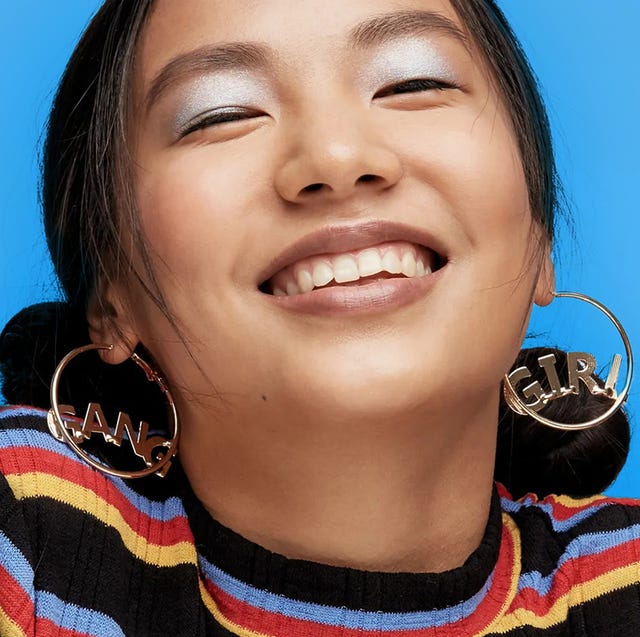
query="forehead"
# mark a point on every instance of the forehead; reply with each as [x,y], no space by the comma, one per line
[286,26]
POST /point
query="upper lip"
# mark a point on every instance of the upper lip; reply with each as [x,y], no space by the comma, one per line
[339,238]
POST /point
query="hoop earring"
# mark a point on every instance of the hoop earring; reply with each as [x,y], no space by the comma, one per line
[73,432]
[581,366]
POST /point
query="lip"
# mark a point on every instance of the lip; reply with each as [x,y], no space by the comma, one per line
[335,239]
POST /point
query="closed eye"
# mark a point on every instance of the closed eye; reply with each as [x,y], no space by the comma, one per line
[218,117]
[414,86]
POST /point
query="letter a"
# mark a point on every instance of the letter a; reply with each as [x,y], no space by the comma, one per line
[95,422]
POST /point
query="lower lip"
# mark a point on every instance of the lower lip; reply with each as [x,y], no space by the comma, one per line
[375,297]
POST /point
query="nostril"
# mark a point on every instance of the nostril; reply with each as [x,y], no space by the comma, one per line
[318,186]
[313,187]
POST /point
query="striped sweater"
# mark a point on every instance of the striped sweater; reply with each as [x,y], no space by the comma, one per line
[87,555]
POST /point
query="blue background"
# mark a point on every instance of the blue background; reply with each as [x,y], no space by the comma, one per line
[586,55]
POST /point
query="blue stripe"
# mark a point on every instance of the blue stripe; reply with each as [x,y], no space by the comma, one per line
[15,412]
[582,546]
[580,515]
[75,618]
[14,561]
[341,617]
[163,511]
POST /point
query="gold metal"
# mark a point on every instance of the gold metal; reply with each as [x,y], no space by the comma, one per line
[610,384]
[581,366]
[73,431]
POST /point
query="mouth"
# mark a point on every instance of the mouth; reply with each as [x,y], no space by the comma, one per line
[397,259]
[366,267]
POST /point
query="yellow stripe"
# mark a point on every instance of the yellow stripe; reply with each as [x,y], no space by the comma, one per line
[577,503]
[579,594]
[232,627]
[565,500]
[33,485]
[516,566]
[9,628]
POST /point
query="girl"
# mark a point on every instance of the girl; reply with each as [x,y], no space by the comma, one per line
[326,223]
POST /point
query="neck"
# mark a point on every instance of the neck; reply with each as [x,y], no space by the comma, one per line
[410,495]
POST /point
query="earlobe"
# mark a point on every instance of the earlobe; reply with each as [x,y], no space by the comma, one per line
[108,325]
[546,283]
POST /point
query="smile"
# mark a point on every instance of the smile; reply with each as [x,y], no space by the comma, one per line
[365,267]
[397,259]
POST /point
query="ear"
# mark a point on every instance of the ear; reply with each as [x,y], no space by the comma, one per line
[109,325]
[546,283]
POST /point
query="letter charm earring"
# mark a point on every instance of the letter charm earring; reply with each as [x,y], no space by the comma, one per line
[581,367]
[156,451]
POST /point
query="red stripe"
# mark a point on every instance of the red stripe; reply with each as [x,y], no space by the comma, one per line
[19,460]
[577,571]
[561,512]
[47,628]
[16,602]
[19,607]
[262,621]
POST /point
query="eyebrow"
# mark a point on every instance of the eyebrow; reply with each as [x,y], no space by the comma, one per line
[238,56]
[389,26]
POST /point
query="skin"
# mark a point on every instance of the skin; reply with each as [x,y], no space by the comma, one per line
[364,439]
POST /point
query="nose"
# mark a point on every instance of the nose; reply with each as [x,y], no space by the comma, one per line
[333,156]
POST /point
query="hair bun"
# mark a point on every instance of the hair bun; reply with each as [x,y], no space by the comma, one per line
[31,345]
[532,458]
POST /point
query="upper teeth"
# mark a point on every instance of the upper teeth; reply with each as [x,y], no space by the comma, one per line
[398,257]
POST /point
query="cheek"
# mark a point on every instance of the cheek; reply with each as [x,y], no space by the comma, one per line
[193,212]
[193,217]
[472,169]
[470,160]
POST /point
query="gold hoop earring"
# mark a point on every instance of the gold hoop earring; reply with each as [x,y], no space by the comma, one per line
[67,428]
[581,366]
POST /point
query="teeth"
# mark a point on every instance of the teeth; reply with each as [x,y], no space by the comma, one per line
[322,274]
[304,280]
[316,272]
[409,266]
[369,262]
[345,269]
[391,262]
[292,288]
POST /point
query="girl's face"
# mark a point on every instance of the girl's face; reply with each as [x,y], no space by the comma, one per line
[285,144]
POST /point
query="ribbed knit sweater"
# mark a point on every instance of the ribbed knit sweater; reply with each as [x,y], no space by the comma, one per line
[84,554]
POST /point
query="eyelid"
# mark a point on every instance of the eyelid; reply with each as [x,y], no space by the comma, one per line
[218,92]
[414,57]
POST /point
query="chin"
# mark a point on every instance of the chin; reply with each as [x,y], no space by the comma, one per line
[369,389]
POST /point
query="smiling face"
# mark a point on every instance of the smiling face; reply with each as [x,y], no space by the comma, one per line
[334,205]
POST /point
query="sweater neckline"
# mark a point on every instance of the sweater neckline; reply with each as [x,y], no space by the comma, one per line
[250,589]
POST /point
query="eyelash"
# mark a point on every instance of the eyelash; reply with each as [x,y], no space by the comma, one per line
[415,86]
[229,115]
[218,117]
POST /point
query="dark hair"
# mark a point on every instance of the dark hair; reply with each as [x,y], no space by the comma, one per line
[87,194]
[88,206]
